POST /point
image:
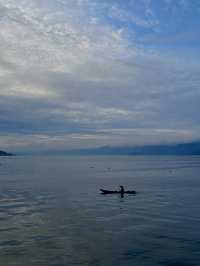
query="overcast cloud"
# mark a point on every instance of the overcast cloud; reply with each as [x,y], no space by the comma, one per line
[87,73]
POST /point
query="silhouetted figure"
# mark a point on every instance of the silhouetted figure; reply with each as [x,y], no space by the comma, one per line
[122,191]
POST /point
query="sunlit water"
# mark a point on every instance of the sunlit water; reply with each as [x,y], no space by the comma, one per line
[52,214]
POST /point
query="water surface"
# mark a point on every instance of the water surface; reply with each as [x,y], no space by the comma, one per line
[51,211]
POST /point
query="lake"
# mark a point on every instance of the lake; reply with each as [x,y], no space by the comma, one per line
[52,214]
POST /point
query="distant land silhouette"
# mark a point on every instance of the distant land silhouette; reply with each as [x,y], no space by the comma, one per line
[192,148]
[3,153]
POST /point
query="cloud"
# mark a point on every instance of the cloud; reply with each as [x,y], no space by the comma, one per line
[75,74]
[145,20]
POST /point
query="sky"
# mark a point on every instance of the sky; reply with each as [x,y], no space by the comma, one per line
[90,73]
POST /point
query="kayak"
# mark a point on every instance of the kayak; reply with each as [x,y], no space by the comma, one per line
[104,191]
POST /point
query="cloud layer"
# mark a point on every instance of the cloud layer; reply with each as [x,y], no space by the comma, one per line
[86,73]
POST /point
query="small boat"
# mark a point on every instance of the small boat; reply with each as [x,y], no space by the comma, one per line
[105,191]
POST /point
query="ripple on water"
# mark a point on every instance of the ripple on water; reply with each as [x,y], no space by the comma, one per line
[177,263]
[10,243]
[40,237]
[16,202]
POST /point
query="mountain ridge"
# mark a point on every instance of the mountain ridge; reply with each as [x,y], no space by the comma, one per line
[191,148]
[3,153]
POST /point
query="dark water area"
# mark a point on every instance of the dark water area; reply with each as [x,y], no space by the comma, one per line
[51,211]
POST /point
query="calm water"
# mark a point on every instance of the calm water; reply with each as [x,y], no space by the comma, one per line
[51,212]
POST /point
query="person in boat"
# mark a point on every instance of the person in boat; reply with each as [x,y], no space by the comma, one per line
[122,189]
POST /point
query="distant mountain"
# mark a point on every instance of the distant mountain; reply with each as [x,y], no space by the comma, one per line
[172,149]
[3,153]
[176,149]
